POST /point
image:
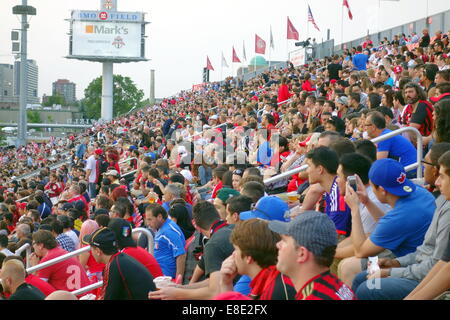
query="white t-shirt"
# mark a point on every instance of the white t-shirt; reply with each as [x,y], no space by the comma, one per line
[367,220]
[91,164]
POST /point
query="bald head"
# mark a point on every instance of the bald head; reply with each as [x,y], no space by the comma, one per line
[12,275]
[61,295]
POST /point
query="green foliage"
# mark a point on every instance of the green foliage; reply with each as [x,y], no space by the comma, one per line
[33,116]
[55,100]
[126,96]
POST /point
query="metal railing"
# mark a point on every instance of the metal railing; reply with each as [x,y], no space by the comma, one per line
[384,137]
[419,147]
[86,249]
[19,251]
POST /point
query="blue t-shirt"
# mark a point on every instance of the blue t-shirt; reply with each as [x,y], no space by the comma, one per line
[360,60]
[337,210]
[389,82]
[169,244]
[243,285]
[402,229]
[399,148]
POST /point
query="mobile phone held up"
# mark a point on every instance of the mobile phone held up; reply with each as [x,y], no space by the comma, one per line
[352,181]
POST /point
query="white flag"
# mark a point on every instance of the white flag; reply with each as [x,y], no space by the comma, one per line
[224,62]
[243,50]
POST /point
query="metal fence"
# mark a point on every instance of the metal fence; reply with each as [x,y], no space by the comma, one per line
[416,165]
[439,21]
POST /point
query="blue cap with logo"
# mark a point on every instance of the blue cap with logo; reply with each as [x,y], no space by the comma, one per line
[267,208]
[391,175]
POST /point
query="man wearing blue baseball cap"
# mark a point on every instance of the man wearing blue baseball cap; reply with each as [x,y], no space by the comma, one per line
[268,208]
[401,230]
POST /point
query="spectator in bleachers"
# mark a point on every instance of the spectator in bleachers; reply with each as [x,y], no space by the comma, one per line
[66,275]
[31,279]
[125,243]
[401,275]
[124,278]
[169,241]
[235,205]
[436,282]
[255,255]
[323,163]
[396,147]
[216,250]
[401,230]
[305,253]
[12,277]
[64,241]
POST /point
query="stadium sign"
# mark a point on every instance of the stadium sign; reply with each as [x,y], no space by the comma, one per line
[90,15]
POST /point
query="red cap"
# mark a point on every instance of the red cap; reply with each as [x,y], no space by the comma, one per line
[21,205]
[304,143]
[398,69]
[333,81]
[98,151]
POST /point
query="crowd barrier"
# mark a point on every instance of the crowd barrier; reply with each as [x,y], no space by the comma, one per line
[26,247]
[75,253]
[416,165]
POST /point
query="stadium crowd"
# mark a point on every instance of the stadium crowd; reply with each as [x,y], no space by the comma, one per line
[195,169]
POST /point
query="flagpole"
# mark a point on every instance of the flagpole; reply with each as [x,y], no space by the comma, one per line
[342,27]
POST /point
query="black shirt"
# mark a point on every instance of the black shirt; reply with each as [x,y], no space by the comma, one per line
[333,70]
[27,292]
[217,249]
[128,279]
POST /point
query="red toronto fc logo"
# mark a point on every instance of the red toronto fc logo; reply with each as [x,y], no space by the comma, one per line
[103,15]
[260,43]
[118,42]
[402,178]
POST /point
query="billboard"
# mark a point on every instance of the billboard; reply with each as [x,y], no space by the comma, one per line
[106,39]
[298,57]
[107,36]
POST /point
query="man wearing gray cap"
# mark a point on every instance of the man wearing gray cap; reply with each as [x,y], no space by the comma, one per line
[305,254]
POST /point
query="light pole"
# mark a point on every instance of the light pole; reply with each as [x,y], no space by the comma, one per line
[24,10]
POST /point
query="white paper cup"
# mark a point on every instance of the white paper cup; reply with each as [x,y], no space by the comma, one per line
[163,281]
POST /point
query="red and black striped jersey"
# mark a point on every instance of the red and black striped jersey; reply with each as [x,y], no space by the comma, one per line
[423,115]
[325,286]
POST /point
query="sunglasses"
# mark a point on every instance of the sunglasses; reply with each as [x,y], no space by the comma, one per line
[428,163]
[239,172]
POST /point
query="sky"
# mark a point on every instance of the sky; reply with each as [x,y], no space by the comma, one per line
[182,32]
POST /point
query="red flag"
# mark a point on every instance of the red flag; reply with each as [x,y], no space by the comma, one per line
[345,4]
[208,64]
[260,45]
[235,57]
[291,31]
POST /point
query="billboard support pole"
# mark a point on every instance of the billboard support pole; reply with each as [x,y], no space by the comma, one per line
[107,91]
[152,87]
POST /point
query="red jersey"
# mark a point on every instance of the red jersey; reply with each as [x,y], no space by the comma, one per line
[45,287]
[68,275]
[216,189]
[325,286]
[146,259]
[55,189]
[423,115]
[270,284]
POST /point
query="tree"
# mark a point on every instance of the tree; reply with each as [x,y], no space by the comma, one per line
[54,100]
[33,116]
[126,96]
